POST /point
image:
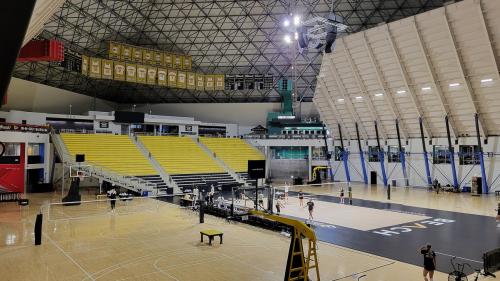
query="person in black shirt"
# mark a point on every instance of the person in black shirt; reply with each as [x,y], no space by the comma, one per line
[301,198]
[310,207]
[112,196]
[429,261]
[498,215]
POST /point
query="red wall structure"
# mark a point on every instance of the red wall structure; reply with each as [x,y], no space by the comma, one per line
[12,175]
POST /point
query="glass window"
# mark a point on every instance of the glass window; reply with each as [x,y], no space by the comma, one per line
[338,153]
[12,149]
[373,154]
[33,149]
[441,155]
[468,155]
[393,154]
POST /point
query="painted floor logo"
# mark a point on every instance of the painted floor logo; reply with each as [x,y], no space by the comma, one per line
[400,229]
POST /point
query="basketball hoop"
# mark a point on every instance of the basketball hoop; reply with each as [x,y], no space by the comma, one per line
[79,171]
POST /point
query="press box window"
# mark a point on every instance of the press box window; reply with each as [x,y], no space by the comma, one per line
[441,155]
[373,154]
[468,155]
[393,154]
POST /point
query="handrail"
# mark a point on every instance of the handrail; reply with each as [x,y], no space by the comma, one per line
[300,226]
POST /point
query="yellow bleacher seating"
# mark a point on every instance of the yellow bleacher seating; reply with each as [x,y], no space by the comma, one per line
[180,155]
[115,152]
[235,153]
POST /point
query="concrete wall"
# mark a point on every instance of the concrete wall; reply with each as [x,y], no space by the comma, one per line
[30,96]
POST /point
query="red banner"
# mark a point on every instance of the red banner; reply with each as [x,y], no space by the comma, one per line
[12,175]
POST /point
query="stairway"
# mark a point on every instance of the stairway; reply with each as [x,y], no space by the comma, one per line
[244,177]
[186,182]
[161,186]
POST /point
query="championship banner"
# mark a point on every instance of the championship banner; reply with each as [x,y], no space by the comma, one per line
[181,79]
[147,56]
[191,81]
[219,82]
[114,50]
[188,62]
[178,61]
[172,78]
[107,69]
[119,73]
[209,82]
[137,54]
[131,72]
[85,65]
[200,82]
[167,58]
[157,58]
[95,68]
[142,72]
[162,77]
[126,53]
[151,77]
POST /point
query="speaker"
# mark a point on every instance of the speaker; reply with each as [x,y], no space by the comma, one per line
[330,40]
[256,169]
[80,158]
[303,40]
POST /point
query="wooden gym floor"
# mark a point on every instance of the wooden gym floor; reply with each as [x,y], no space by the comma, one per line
[154,240]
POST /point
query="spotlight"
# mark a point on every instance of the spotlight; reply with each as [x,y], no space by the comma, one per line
[296,20]
[454,84]
[286,23]
[296,35]
[287,39]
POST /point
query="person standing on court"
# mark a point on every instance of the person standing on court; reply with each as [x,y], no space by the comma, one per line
[279,205]
[342,195]
[112,196]
[301,198]
[310,207]
[286,192]
[498,215]
[429,261]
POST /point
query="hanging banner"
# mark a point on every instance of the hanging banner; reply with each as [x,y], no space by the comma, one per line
[167,58]
[200,82]
[126,54]
[191,81]
[131,72]
[209,82]
[119,72]
[181,79]
[114,50]
[85,65]
[95,68]
[137,54]
[219,82]
[107,69]
[142,72]
[158,58]
[151,77]
[172,78]
[187,63]
[147,56]
[162,77]
[178,61]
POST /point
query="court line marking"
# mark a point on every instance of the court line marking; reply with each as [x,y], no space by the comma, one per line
[69,257]
[364,271]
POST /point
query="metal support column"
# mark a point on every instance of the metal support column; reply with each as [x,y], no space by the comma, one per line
[451,151]
[380,156]
[426,157]
[402,158]
[484,182]
[361,156]
[345,156]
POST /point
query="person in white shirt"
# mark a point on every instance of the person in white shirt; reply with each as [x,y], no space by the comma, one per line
[286,192]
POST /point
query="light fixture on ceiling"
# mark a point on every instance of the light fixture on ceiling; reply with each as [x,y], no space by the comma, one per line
[379,94]
[296,20]
[454,84]
[487,80]
[428,88]
[296,36]
[286,23]
[340,100]
[401,91]
[359,98]
[287,39]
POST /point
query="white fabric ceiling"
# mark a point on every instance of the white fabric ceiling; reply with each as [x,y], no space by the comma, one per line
[438,63]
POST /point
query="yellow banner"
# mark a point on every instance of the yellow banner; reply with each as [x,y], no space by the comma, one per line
[137,54]
[158,58]
[188,63]
[162,77]
[168,60]
[219,82]
[147,56]
[114,50]
[209,82]
[126,54]
[85,65]
[178,59]
[142,72]
[200,82]
[181,79]
[191,81]
[172,78]
[151,78]
[107,69]
[119,73]
[131,72]
[95,68]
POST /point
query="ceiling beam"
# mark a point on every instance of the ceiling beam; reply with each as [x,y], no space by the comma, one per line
[362,87]
[345,95]
[383,86]
[434,78]
[326,93]
[406,81]
[468,88]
